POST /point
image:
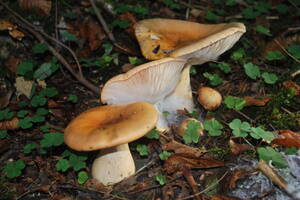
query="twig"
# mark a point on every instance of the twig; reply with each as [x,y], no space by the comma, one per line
[146,166]
[102,21]
[288,53]
[38,34]
[206,189]
[244,115]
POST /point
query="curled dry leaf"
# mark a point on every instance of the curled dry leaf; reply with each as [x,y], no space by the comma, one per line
[252,101]
[10,124]
[287,138]
[23,86]
[292,85]
[182,148]
[6,25]
[182,161]
[41,7]
[236,175]
[237,148]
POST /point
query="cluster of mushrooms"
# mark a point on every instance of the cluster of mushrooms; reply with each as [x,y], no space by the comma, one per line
[137,99]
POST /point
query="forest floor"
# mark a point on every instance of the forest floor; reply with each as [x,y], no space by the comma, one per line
[56,56]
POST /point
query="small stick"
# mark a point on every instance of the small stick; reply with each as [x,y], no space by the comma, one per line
[288,53]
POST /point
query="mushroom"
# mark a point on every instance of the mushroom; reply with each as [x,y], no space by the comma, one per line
[197,43]
[110,128]
[151,82]
[209,98]
[159,38]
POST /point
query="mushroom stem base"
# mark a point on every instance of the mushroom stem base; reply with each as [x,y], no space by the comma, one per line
[113,165]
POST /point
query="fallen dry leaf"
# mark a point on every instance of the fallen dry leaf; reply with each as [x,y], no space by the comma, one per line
[252,101]
[236,175]
[23,86]
[41,7]
[12,63]
[223,198]
[287,138]
[10,124]
[182,148]
[237,148]
[180,161]
[6,25]
[292,85]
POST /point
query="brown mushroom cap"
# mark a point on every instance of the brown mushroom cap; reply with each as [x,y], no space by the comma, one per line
[159,38]
[209,98]
[107,126]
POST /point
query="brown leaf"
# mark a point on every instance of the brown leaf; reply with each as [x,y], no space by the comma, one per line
[11,28]
[12,63]
[96,185]
[41,7]
[180,161]
[10,124]
[182,148]
[292,85]
[237,148]
[287,138]
[235,176]
[251,101]
[131,18]
[223,198]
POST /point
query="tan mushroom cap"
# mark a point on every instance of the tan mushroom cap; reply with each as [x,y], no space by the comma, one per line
[107,126]
[159,38]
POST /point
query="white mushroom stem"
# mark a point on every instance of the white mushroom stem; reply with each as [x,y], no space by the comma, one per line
[113,165]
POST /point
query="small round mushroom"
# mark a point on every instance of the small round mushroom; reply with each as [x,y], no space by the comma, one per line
[184,125]
[110,128]
[209,98]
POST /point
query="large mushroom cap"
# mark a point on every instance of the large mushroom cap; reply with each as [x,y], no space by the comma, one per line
[149,82]
[159,38]
[107,126]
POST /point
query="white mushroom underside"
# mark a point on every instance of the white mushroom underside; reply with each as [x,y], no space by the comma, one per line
[214,50]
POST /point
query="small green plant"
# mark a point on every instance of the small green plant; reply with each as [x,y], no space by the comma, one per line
[14,169]
[71,160]
[269,154]
[235,103]
[214,79]
[153,134]
[52,139]
[172,4]
[243,129]
[26,68]
[274,55]
[211,16]
[238,55]
[6,114]
[164,155]
[263,30]
[240,129]
[161,179]
[69,36]
[29,147]
[37,101]
[72,98]
[213,127]
[62,165]
[39,48]
[3,134]
[252,70]
[191,134]
[269,78]
[82,177]
[142,149]
[46,69]
[294,50]
[120,23]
